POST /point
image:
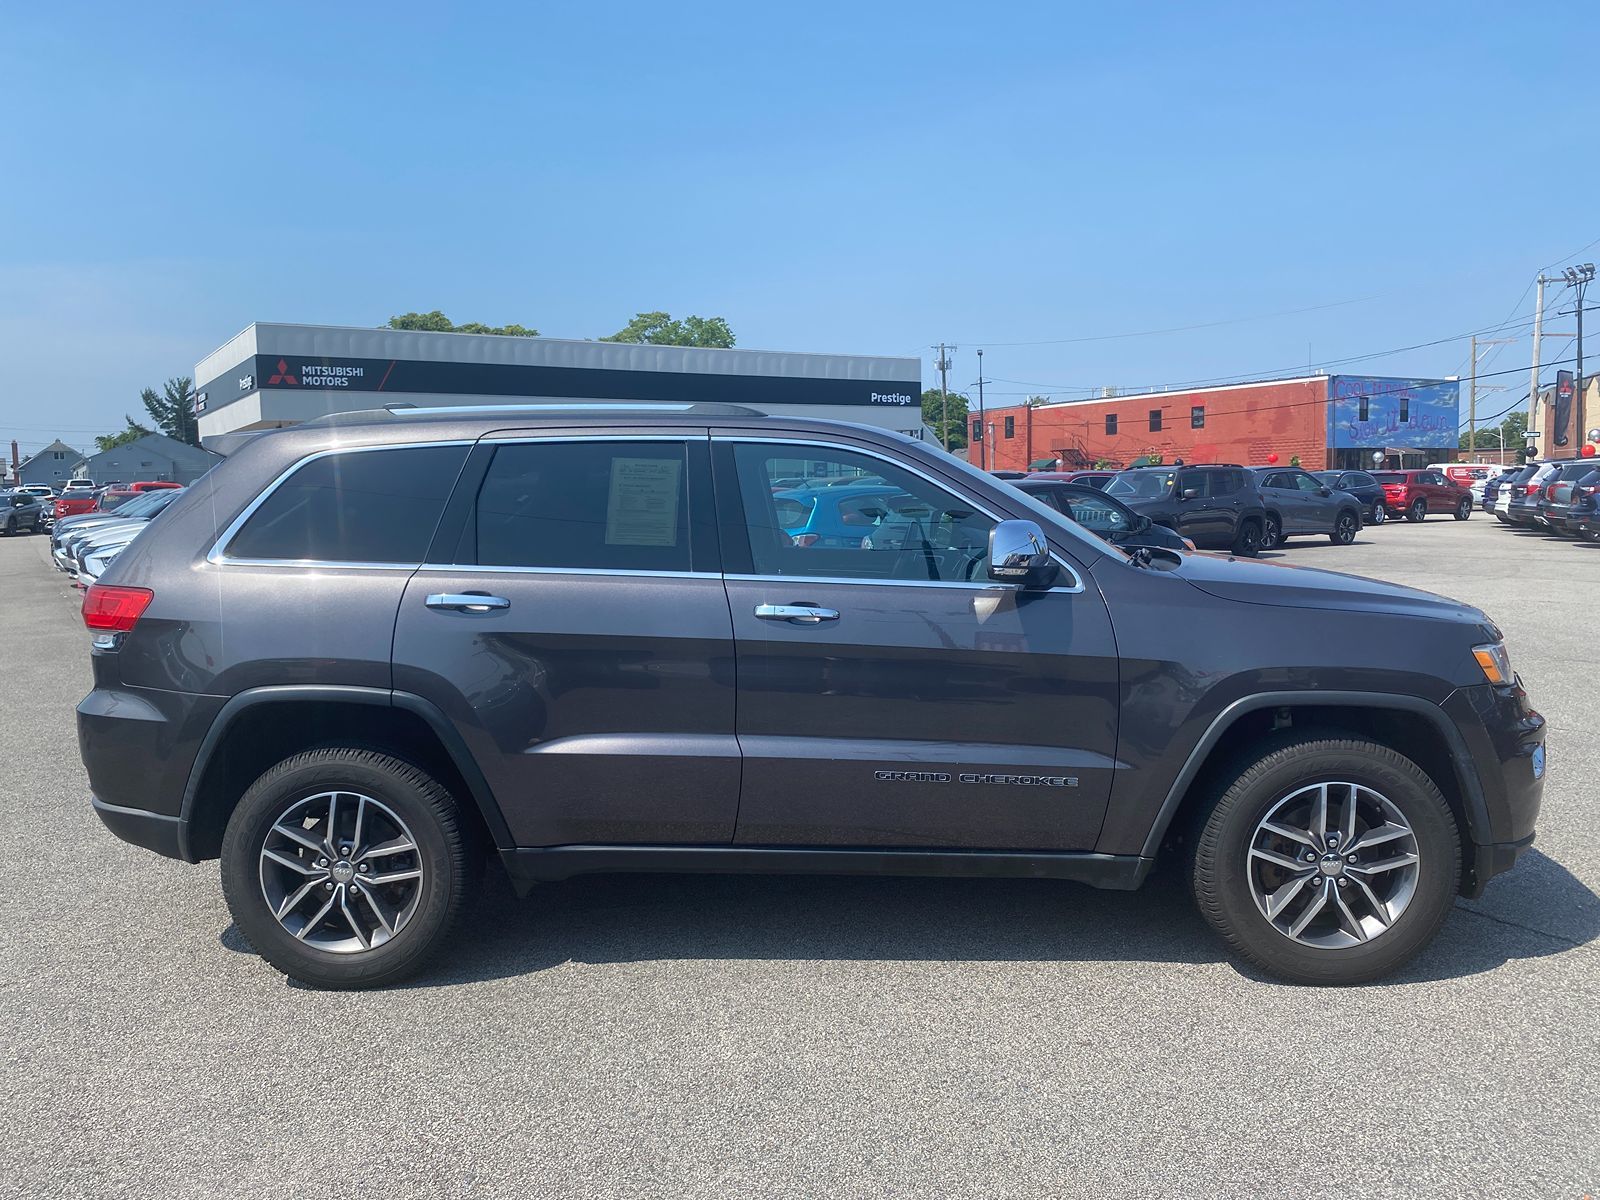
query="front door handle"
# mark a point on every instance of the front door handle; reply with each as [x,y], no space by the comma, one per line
[473,602]
[796,614]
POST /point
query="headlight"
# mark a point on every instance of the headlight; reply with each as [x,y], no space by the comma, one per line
[1495,662]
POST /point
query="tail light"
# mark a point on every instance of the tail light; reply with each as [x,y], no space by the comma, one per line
[1518,489]
[1585,491]
[804,539]
[112,609]
[1550,492]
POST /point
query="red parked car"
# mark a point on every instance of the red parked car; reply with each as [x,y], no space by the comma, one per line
[1415,494]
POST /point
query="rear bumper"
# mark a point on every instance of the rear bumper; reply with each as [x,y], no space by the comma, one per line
[153,831]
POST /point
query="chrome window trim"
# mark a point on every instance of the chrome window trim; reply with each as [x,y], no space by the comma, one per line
[1075,587]
[217,556]
[609,572]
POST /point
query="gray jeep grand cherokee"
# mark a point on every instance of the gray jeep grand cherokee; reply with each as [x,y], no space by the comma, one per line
[368,650]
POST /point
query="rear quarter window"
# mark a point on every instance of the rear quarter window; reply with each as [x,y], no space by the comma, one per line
[356,506]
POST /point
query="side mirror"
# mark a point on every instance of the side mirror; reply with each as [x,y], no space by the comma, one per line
[1141,522]
[1322,491]
[1190,494]
[1019,554]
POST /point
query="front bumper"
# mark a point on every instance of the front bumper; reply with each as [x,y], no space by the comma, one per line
[1505,739]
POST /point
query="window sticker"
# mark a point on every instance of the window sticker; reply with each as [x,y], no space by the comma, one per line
[642,509]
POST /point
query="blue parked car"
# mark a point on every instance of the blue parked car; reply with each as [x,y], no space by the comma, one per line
[837,517]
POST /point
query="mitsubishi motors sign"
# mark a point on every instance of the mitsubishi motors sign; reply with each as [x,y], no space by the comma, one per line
[315,374]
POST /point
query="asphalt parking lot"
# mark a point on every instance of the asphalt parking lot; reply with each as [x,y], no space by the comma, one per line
[728,1036]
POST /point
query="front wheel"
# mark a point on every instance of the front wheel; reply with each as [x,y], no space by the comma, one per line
[1344,529]
[1271,533]
[1463,510]
[1328,861]
[1417,511]
[346,868]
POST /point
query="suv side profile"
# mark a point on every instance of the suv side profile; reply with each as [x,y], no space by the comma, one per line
[1215,506]
[1415,494]
[369,654]
[1297,502]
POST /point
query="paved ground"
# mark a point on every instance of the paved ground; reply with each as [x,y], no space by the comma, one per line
[799,1037]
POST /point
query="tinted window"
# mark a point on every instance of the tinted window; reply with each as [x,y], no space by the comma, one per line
[1093,512]
[1225,483]
[372,506]
[620,506]
[1356,479]
[919,531]
[1274,479]
[1306,483]
[1140,485]
[1390,476]
[1195,481]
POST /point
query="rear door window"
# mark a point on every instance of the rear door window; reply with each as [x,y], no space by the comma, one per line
[354,506]
[607,506]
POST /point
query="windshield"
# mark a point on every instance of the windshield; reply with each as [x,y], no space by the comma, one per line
[1141,485]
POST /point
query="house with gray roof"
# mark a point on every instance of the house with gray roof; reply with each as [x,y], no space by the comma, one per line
[154,456]
[52,466]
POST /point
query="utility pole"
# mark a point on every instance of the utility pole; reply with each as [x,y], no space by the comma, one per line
[1578,279]
[983,443]
[1538,332]
[944,394]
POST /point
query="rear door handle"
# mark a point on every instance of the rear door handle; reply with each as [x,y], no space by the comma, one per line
[476,602]
[796,614]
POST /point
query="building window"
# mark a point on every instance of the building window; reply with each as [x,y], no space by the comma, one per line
[1405,409]
[1155,420]
[58,454]
[1197,417]
[1011,427]
[1111,424]
[1362,409]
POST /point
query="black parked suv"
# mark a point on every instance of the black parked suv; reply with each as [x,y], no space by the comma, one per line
[1214,505]
[368,653]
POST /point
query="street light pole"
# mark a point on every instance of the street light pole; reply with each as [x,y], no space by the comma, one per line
[983,443]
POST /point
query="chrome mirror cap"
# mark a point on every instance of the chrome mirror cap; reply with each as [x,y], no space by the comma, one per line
[1018,553]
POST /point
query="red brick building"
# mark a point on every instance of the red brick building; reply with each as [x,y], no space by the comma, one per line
[1324,420]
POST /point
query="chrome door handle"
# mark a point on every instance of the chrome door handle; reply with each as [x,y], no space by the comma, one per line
[796,614]
[478,602]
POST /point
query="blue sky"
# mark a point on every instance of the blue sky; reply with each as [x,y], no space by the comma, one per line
[846,178]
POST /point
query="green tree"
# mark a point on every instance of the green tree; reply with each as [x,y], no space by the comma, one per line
[1514,427]
[660,329]
[437,322]
[173,409]
[933,414]
[134,431]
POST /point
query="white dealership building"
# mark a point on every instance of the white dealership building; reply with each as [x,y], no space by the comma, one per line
[272,375]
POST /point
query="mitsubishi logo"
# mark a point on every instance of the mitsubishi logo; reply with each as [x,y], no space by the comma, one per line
[281,375]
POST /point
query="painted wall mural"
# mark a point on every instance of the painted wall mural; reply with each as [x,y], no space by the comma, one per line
[1371,411]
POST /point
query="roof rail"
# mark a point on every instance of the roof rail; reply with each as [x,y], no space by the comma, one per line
[405,408]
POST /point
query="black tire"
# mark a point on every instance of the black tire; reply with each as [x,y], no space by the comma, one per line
[1345,528]
[1247,541]
[446,854]
[1418,510]
[1463,510]
[1271,533]
[1220,863]
[11,527]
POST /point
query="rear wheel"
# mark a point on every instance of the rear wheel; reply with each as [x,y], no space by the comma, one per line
[1271,533]
[1463,510]
[1328,861]
[1417,511]
[1247,542]
[11,526]
[1379,515]
[1345,528]
[346,868]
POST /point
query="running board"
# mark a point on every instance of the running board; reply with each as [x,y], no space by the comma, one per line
[528,866]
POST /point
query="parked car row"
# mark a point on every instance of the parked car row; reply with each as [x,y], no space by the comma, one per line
[21,511]
[1561,497]
[82,496]
[84,545]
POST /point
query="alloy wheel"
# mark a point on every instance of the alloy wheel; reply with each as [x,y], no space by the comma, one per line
[1333,865]
[1345,529]
[1379,514]
[1271,534]
[341,871]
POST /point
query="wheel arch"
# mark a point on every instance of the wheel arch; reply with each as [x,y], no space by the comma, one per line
[1410,725]
[263,726]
